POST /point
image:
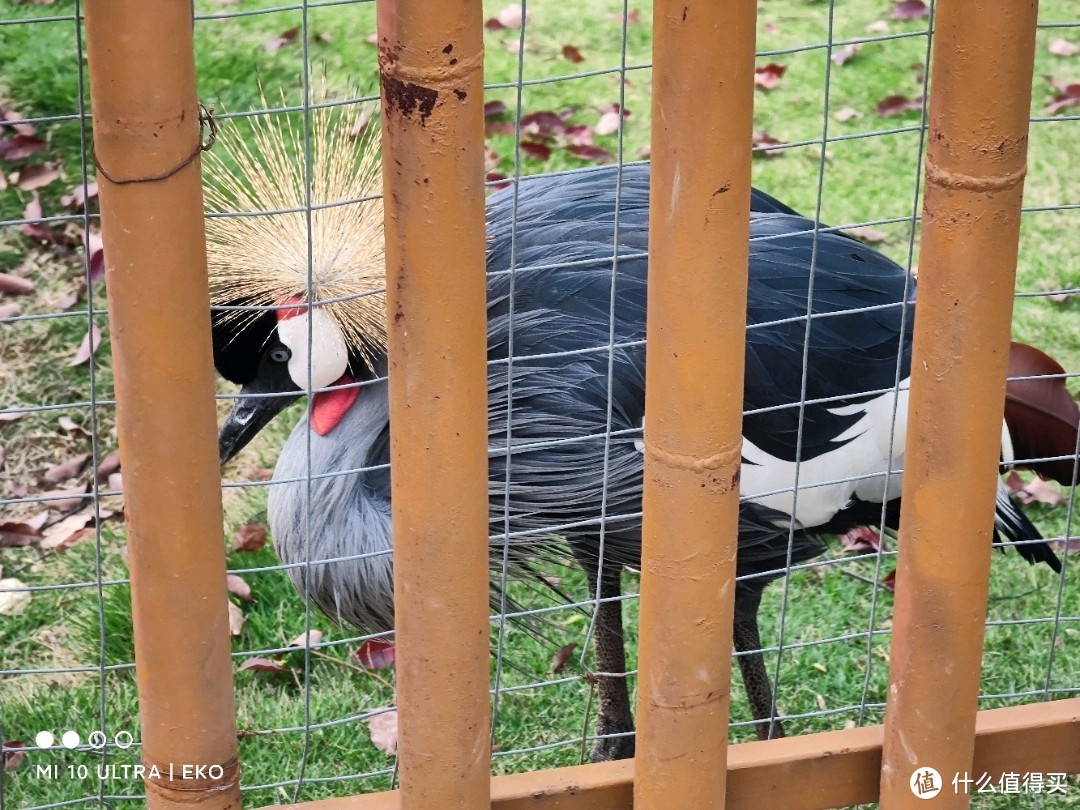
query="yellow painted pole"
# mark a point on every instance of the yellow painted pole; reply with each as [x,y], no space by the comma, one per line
[147,143]
[431,61]
[703,86]
[980,96]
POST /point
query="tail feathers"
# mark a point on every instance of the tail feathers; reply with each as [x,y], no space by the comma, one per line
[1013,526]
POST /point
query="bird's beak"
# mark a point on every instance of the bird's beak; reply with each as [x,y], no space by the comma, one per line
[254,407]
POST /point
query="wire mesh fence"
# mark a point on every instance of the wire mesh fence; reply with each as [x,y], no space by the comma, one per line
[840,137]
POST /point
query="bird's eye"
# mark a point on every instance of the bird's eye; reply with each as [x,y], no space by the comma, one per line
[280,354]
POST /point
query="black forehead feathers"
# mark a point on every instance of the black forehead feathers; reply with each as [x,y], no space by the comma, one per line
[239,341]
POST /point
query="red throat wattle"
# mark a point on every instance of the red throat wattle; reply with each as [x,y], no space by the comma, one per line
[329,407]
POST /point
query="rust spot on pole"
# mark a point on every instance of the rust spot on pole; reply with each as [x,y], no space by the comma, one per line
[699,234]
[981,75]
[433,170]
[146,129]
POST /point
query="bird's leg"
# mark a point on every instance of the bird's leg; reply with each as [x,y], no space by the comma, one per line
[747,640]
[615,716]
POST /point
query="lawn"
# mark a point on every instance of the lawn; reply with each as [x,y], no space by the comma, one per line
[65,656]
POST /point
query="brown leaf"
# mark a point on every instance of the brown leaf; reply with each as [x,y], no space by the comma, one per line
[15,595]
[324,38]
[17,534]
[308,639]
[1042,491]
[910,10]
[9,117]
[79,195]
[66,498]
[115,482]
[10,416]
[578,134]
[34,177]
[86,350]
[1068,97]
[67,531]
[493,109]
[20,147]
[10,310]
[559,660]
[572,54]
[513,45]
[510,17]
[861,540]
[632,17]
[543,125]
[14,754]
[15,285]
[236,620]
[889,583]
[1062,47]
[768,76]
[109,465]
[67,469]
[238,588]
[609,123]
[897,105]
[845,54]
[264,664]
[537,150]
[375,653]
[869,235]
[588,152]
[764,139]
[384,732]
[878,27]
[249,537]
[847,114]
[281,40]
[497,180]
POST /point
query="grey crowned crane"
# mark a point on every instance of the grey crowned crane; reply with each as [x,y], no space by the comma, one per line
[570,479]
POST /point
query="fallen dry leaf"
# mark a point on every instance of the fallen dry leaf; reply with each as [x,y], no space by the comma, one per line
[572,54]
[375,653]
[109,465]
[281,40]
[14,597]
[65,499]
[15,534]
[384,732]
[1068,97]
[11,310]
[609,123]
[115,482]
[20,147]
[559,660]
[910,10]
[1062,47]
[847,114]
[236,620]
[878,27]
[767,77]
[238,588]
[249,537]
[897,105]
[38,176]
[308,639]
[846,53]
[67,469]
[15,285]
[764,139]
[79,195]
[263,664]
[67,532]
[587,152]
[861,539]
[86,349]
[14,752]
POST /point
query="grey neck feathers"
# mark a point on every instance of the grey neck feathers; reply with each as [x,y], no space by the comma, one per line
[348,521]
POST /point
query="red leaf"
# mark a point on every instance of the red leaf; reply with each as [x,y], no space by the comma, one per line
[14,754]
[67,531]
[910,10]
[249,537]
[579,134]
[95,249]
[493,109]
[39,230]
[537,150]
[869,235]
[897,105]
[1068,97]
[889,583]
[572,54]
[493,24]
[497,180]
[8,117]
[498,128]
[559,660]
[109,465]
[768,76]
[384,732]
[67,469]
[375,653]
[282,39]
[14,535]
[86,350]
[764,139]
[587,152]
[20,147]
[846,53]
[264,665]
[544,124]
[15,285]
[1062,47]
[861,539]
[37,176]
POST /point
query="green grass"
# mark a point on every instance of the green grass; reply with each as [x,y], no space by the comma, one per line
[866,179]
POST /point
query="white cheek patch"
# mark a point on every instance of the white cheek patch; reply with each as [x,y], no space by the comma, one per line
[329,354]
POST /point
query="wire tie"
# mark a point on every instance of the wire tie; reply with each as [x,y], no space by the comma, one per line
[206,122]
